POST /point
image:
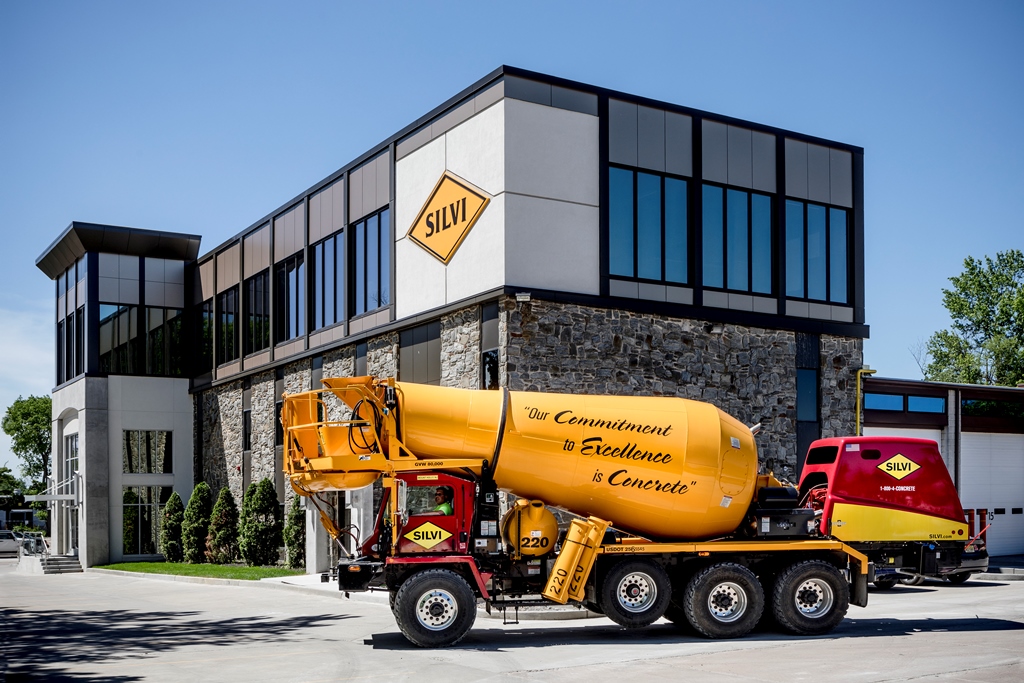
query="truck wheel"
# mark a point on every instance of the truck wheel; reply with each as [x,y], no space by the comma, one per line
[635,593]
[435,608]
[724,601]
[957,579]
[811,598]
[914,580]
[885,583]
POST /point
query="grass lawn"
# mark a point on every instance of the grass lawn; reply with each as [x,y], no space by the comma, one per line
[212,571]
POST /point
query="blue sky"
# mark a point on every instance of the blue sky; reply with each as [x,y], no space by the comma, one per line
[201,117]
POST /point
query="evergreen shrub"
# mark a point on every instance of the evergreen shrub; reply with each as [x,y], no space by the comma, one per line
[260,532]
[196,524]
[222,541]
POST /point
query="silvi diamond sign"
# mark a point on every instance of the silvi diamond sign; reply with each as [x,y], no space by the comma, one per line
[447,217]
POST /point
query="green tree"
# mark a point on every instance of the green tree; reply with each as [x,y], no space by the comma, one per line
[222,541]
[170,533]
[260,534]
[295,535]
[9,500]
[985,344]
[27,422]
[196,523]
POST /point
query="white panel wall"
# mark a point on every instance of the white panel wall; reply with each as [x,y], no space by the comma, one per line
[475,151]
[157,403]
[551,224]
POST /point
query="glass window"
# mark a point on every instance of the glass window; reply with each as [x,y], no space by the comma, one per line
[926,404]
[372,261]
[675,231]
[119,339]
[328,281]
[883,402]
[290,299]
[227,330]
[620,224]
[647,226]
[489,346]
[817,252]
[142,508]
[69,347]
[80,341]
[205,333]
[257,312]
[147,452]
[164,351]
[60,352]
[648,217]
[807,395]
[737,232]
[247,430]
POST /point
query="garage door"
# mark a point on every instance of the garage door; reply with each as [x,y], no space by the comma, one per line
[992,478]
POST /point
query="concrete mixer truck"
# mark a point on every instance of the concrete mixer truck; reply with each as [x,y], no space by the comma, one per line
[664,513]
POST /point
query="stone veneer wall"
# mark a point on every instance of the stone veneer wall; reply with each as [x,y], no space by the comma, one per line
[841,358]
[264,427]
[460,349]
[748,372]
[222,438]
[338,363]
[382,355]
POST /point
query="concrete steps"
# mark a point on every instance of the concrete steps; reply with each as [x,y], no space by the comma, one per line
[61,564]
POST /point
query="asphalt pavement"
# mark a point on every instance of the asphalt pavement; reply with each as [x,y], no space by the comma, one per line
[108,627]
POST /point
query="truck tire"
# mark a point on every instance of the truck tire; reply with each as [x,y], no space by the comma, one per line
[811,598]
[435,608]
[724,601]
[913,580]
[885,583]
[635,593]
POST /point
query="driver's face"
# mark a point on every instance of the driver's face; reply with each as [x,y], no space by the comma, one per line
[439,494]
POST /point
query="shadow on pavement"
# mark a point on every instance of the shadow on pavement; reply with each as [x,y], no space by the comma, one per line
[46,645]
[496,639]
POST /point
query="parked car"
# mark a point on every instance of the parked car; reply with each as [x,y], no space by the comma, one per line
[9,542]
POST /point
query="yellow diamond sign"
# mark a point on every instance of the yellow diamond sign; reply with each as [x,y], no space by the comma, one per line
[899,466]
[428,535]
[445,220]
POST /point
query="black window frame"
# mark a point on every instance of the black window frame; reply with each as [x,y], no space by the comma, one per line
[828,209]
[688,237]
[228,315]
[359,276]
[724,250]
[290,298]
[321,314]
[256,313]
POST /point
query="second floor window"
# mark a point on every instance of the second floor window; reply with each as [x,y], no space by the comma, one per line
[257,312]
[227,328]
[817,252]
[290,299]
[372,262]
[737,236]
[647,226]
[328,281]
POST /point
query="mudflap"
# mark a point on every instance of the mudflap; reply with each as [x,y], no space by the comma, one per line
[356,575]
[859,583]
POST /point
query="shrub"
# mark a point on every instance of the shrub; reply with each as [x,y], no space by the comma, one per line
[170,538]
[260,533]
[295,535]
[222,541]
[196,524]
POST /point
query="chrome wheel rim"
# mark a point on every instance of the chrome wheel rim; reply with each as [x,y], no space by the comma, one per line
[814,598]
[436,610]
[636,592]
[727,602]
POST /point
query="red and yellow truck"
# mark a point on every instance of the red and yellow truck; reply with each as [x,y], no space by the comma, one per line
[664,513]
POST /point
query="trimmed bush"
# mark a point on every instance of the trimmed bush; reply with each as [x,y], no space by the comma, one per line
[170,534]
[222,541]
[295,535]
[196,524]
[260,532]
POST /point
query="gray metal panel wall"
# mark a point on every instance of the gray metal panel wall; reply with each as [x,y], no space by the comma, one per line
[650,138]
[678,144]
[714,151]
[256,251]
[203,288]
[841,177]
[289,232]
[227,268]
[818,177]
[740,169]
[796,169]
[622,131]
[763,161]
